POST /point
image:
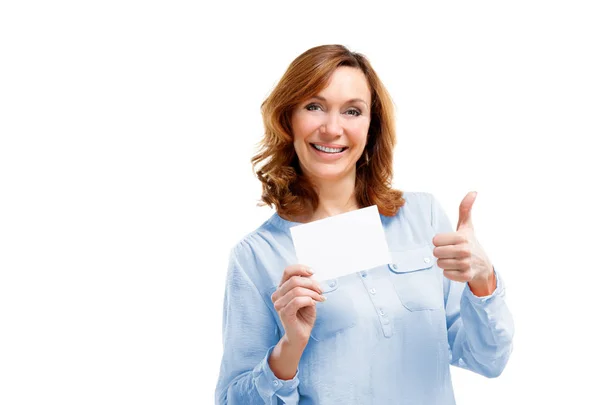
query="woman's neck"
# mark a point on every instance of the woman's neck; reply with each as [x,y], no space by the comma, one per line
[335,197]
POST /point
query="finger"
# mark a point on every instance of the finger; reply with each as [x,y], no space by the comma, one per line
[460,251]
[295,270]
[464,211]
[297,292]
[298,281]
[457,275]
[454,264]
[297,303]
[293,282]
[449,238]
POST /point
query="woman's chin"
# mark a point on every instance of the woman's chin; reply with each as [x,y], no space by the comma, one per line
[329,175]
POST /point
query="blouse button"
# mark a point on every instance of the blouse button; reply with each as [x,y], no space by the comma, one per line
[426,260]
[373,291]
[332,283]
[395,266]
[275,382]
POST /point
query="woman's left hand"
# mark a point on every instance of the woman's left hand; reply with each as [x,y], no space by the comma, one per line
[460,255]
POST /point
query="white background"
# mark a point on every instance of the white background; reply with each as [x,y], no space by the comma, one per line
[126,133]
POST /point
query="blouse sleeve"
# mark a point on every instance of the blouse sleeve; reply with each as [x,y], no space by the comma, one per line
[480,329]
[249,335]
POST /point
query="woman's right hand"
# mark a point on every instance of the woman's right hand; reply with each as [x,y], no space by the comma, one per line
[295,303]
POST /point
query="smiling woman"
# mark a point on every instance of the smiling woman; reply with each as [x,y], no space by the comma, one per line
[383,335]
[328,98]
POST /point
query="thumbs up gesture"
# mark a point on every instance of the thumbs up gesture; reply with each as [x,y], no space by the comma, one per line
[460,255]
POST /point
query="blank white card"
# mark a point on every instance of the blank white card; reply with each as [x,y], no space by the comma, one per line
[342,244]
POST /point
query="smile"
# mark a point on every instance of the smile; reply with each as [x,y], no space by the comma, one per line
[328,150]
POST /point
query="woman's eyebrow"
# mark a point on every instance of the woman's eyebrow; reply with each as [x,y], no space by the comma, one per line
[360,100]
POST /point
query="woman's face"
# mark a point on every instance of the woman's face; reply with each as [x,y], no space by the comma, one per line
[330,129]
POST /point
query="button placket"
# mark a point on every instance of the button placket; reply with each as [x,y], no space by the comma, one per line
[378,305]
[384,318]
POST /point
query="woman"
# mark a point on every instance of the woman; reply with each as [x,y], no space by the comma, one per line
[386,335]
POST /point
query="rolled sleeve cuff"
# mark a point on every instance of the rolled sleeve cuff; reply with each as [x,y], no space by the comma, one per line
[269,385]
[497,294]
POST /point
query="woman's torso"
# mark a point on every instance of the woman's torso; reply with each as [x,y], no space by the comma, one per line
[381,335]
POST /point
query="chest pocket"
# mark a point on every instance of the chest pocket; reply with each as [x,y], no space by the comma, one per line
[416,279]
[336,314]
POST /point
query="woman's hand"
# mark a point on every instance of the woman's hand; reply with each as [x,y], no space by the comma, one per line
[295,302]
[461,256]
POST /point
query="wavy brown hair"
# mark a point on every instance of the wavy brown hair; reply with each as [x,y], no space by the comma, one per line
[276,163]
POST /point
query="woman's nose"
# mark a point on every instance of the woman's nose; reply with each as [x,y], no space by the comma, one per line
[333,125]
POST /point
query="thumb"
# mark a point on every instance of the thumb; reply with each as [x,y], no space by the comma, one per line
[464,211]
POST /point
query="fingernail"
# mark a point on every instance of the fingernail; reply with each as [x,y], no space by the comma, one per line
[323,298]
[310,270]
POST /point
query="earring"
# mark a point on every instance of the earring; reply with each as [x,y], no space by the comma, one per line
[366,159]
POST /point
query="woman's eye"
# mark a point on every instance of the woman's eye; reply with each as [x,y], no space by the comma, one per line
[315,107]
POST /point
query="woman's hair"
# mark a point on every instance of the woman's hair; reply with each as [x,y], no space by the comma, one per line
[283,182]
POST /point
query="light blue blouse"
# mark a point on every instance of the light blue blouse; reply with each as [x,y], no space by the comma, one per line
[386,335]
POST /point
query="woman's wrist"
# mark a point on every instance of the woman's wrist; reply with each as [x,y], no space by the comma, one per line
[285,358]
[485,286]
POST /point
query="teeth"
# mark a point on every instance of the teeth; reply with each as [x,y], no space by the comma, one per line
[328,150]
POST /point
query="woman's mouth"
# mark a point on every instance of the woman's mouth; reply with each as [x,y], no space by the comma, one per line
[328,150]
